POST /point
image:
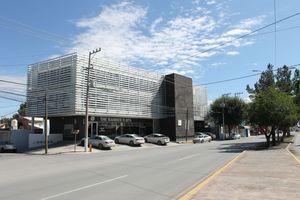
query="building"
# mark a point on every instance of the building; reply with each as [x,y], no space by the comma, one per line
[200,107]
[122,99]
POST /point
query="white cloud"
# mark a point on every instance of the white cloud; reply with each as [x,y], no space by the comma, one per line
[237,31]
[125,34]
[232,53]
[211,2]
[218,63]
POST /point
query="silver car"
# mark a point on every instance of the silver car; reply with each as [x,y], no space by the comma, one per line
[200,138]
[131,139]
[100,141]
[157,138]
[6,146]
[235,136]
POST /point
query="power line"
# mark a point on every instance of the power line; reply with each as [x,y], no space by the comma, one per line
[12,82]
[8,98]
[241,77]
[275,35]
[8,114]
[36,32]
[231,79]
[18,94]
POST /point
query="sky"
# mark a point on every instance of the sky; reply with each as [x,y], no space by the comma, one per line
[195,38]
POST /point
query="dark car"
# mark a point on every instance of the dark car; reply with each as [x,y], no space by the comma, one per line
[6,146]
[213,136]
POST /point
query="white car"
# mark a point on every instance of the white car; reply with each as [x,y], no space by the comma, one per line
[201,138]
[235,136]
[100,141]
[131,139]
[157,138]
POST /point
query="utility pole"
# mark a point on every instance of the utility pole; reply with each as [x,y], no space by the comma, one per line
[187,124]
[223,105]
[45,123]
[87,99]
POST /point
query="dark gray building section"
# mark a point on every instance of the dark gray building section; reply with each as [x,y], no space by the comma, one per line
[179,126]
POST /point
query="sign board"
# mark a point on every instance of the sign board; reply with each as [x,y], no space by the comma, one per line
[92,118]
[179,123]
[75,132]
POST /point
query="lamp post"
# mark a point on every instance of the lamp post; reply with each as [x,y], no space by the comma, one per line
[87,99]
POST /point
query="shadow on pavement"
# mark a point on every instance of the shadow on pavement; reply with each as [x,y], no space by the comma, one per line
[239,147]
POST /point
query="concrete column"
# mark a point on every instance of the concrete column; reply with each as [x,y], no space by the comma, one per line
[32,124]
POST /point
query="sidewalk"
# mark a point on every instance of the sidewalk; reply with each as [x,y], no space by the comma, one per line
[296,145]
[266,174]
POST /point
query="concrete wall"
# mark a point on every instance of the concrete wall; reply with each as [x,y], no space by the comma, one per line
[20,139]
[38,140]
[25,140]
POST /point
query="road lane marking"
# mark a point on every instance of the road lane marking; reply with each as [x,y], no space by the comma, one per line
[190,156]
[209,178]
[288,150]
[83,188]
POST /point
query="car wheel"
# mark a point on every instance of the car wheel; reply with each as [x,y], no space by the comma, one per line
[82,143]
[131,143]
[209,140]
[117,141]
[159,142]
[100,146]
[2,150]
[201,141]
[146,140]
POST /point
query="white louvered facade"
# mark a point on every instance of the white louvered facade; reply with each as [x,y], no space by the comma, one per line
[200,102]
[119,90]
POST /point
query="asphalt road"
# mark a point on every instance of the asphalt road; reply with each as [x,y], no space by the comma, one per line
[138,173]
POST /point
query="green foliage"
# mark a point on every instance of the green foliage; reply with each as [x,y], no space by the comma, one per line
[273,108]
[233,110]
[283,80]
[266,80]
[296,83]
[21,111]
[5,121]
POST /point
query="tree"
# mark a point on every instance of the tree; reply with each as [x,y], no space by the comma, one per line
[274,109]
[21,111]
[296,86]
[265,81]
[283,80]
[5,120]
[233,111]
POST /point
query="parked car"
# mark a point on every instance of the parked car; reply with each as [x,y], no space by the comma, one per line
[200,138]
[157,139]
[100,141]
[235,136]
[6,146]
[131,139]
[213,136]
[208,137]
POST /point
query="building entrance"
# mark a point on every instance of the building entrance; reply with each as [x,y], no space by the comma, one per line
[93,129]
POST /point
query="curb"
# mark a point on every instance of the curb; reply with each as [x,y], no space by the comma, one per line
[288,150]
[209,178]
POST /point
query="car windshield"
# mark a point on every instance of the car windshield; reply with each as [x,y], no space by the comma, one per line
[105,138]
[5,142]
[134,135]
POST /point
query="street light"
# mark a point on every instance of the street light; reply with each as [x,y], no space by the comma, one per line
[87,99]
